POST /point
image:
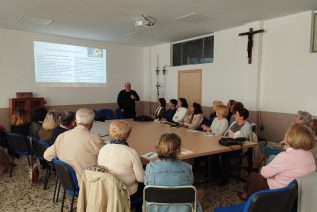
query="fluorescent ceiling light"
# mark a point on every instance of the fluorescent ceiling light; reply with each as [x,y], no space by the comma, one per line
[35,20]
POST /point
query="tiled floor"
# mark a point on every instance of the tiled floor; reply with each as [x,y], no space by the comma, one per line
[18,194]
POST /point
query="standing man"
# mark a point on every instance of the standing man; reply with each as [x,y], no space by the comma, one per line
[126,101]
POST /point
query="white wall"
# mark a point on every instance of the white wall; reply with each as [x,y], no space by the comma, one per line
[281,77]
[229,77]
[289,70]
[124,63]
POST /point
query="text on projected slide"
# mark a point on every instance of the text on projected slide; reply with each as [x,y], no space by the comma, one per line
[59,63]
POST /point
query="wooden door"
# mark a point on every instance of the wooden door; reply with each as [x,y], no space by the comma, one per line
[189,85]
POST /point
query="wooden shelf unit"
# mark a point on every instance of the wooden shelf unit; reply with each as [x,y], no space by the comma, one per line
[27,103]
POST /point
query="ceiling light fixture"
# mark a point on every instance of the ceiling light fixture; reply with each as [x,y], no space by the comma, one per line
[146,21]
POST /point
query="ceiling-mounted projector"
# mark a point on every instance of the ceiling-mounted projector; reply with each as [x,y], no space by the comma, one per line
[145,21]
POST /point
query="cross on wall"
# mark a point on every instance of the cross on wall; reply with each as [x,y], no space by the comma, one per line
[250,34]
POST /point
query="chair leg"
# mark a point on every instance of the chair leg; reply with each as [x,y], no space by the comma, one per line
[59,186]
[48,170]
[28,160]
[55,190]
[11,166]
[71,207]
[62,208]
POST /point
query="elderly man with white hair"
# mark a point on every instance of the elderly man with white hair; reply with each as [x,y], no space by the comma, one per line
[77,147]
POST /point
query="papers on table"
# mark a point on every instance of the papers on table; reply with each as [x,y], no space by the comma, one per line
[209,134]
[149,155]
[193,131]
[186,152]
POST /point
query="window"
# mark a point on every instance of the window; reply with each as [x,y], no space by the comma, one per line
[195,51]
[314,32]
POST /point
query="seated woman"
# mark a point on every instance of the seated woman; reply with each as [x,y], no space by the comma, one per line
[233,109]
[171,111]
[51,121]
[230,104]
[297,161]
[19,122]
[220,124]
[313,126]
[269,152]
[181,111]
[160,111]
[169,170]
[38,117]
[121,160]
[240,127]
[213,114]
[195,118]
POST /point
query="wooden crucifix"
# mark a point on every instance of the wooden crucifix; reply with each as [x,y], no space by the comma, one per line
[250,41]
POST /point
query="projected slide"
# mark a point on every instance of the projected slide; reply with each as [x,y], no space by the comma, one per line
[59,63]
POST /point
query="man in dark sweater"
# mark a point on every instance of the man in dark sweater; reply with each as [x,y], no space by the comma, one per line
[68,122]
[126,101]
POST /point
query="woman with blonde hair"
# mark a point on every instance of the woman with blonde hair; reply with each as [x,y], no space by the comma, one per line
[213,115]
[121,160]
[297,161]
[19,122]
[50,122]
[169,170]
[313,126]
[220,123]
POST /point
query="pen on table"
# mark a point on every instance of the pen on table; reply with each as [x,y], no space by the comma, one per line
[149,154]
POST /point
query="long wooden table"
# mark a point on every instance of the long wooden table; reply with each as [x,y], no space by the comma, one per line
[145,135]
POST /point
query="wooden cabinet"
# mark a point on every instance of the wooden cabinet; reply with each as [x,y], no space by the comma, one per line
[27,103]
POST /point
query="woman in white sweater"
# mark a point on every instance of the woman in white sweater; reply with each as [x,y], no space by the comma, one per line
[121,160]
[195,118]
[220,124]
[181,111]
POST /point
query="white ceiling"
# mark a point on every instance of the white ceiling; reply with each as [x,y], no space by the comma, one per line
[113,20]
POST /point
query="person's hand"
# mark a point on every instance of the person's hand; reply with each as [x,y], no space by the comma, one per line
[132,97]
[205,127]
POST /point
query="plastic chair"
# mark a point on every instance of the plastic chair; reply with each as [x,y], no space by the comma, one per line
[96,115]
[18,147]
[38,148]
[68,179]
[105,114]
[169,195]
[275,200]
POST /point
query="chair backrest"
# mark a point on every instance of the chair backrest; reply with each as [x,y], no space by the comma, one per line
[254,127]
[105,114]
[38,147]
[67,176]
[179,195]
[96,115]
[17,143]
[283,199]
